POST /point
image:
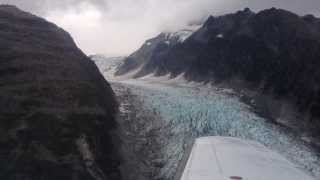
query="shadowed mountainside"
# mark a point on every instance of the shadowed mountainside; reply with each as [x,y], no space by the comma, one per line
[56,109]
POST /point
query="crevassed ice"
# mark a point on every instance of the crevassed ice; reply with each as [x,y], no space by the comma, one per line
[197,112]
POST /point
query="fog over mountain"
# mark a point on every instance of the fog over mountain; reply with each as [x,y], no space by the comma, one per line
[102,26]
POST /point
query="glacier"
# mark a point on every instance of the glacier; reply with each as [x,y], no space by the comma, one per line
[160,118]
[187,112]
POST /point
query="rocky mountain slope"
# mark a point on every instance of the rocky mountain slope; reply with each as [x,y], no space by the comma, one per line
[274,53]
[145,60]
[56,109]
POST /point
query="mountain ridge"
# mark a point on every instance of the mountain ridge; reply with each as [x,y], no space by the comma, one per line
[273,52]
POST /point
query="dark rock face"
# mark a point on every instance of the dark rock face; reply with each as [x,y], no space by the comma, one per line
[56,109]
[272,52]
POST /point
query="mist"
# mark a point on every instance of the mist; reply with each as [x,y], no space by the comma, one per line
[119,27]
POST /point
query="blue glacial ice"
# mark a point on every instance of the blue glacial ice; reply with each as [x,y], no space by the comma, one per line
[191,112]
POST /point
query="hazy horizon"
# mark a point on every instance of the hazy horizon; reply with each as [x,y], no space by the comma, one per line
[119,27]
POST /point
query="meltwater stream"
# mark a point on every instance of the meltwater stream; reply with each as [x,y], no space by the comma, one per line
[158,121]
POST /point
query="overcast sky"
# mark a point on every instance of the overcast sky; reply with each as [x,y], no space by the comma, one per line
[118,27]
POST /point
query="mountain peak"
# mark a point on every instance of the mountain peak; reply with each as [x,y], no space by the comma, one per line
[209,21]
[246,11]
[278,12]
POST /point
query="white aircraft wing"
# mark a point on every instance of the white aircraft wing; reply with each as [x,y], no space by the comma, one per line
[225,158]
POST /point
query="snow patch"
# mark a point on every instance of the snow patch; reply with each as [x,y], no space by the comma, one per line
[220,36]
[183,34]
[84,149]
[124,108]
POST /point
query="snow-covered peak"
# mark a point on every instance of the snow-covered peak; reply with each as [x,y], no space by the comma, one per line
[182,34]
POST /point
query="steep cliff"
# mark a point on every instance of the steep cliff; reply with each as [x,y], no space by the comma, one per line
[56,109]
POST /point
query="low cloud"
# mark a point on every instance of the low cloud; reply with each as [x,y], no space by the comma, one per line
[118,27]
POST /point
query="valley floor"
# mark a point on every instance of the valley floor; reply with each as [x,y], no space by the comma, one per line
[160,118]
